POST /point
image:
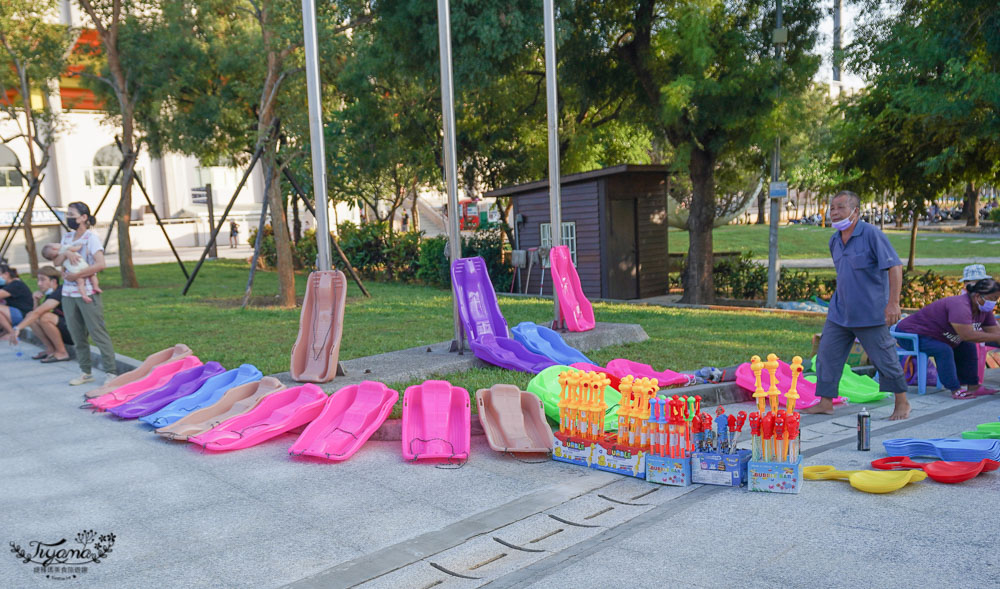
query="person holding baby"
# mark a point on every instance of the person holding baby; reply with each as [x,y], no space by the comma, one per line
[81,301]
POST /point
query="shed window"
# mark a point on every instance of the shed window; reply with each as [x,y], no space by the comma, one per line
[568,237]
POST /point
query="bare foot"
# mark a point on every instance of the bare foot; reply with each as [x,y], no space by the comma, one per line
[824,407]
[902,409]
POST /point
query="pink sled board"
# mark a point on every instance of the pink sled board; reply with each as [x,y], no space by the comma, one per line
[276,414]
[574,308]
[807,390]
[665,378]
[157,377]
[349,417]
[436,421]
[142,371]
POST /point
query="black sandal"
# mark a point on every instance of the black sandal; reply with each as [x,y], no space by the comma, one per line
[51,359]
[40,356]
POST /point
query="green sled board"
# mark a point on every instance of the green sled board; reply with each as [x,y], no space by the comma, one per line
[546,386]
[856,387]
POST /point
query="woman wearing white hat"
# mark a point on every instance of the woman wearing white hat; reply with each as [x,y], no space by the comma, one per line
[973,273]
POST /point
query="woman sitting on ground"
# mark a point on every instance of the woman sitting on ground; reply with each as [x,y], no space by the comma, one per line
[949,330]
[17,297]
[51,329]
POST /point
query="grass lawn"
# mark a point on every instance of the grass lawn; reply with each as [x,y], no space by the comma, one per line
[209,319]
[807,241]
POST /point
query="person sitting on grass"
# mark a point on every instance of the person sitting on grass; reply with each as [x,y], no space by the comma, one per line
[948,330]
[51,324]
[68,256]
[15,300]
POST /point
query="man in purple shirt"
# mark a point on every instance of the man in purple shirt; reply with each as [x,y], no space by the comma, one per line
[949,330]
[865,304]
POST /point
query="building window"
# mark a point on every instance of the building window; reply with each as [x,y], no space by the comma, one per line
[9,176]
[568,237]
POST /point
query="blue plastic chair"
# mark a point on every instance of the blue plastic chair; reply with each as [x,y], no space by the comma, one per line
[921,357]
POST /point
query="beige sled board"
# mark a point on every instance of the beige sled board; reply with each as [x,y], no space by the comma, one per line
[513,420]
[236,401]
[142,371]
[317,347]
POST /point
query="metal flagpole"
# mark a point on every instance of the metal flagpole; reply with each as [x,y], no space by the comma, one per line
[450,166]
[555,202]
[316,133]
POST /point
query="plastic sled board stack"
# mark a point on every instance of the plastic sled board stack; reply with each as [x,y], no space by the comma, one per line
[209,393]
[485,327]
[153,360]
[182,384]
[574,308]
[436,422]
[276,414]
[236,401]
[156,378]
[513,420]
[546,342]
[349,417]
[664,378]
[317,348]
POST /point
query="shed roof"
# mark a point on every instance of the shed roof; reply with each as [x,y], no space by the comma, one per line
[520,189]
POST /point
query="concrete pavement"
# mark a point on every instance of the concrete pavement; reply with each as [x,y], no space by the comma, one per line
[257,518]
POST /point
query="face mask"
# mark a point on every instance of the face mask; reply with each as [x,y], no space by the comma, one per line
[2,281]
[50,291]
[72,223]
[843,223]
[987,305]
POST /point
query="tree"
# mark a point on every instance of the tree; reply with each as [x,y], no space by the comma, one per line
[35,52]
[705,75]
[237,70]
[937,68]
[499,84]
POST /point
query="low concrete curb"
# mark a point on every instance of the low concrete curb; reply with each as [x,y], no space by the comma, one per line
[435,359]
[122,363]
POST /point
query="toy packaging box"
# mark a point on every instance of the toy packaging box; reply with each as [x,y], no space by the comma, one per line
[573,450]
[775,477]
[620,459]
[728,470]
[668,471]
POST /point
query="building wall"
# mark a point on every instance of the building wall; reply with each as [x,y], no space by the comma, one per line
[649,190]
[580,205]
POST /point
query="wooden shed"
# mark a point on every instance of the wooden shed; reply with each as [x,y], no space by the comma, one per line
[615,222]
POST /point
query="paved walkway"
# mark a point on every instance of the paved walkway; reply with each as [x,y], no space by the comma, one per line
[187,254]
[257,518]
[828,262]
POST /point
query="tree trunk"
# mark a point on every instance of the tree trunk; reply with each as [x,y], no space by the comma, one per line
[972,205]
[913,243]
[296,222]
[699,285]
[761,207]
[279,225]
[415,212]
[123,215]
[34,187]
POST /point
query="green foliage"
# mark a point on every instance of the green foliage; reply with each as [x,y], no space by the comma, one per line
[433,267]
[927,119]
[923,288]
[798,285]
[995,215]
[487,243]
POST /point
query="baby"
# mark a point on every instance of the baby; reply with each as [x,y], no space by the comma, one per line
[72,262]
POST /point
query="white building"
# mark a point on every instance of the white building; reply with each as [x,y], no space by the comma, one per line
[83,162]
